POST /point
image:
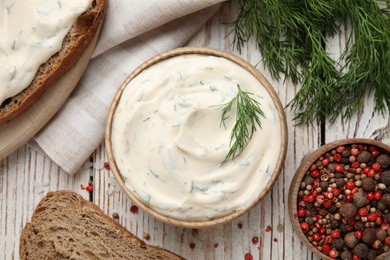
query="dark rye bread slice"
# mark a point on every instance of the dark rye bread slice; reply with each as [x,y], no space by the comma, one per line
[75,43]
[66,226]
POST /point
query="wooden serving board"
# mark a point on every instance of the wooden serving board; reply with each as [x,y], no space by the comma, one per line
[17,132]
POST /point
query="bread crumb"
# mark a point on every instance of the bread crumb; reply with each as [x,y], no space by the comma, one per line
[115,215]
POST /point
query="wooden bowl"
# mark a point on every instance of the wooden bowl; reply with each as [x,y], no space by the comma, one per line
[211,52]
[304,167]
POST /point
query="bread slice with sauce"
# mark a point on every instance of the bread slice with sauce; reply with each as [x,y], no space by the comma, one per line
[66,226]
[75,43]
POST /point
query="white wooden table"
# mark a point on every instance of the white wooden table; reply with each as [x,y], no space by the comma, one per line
[26,176]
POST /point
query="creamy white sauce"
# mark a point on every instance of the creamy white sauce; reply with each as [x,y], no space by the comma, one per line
[31,31]
[168,142]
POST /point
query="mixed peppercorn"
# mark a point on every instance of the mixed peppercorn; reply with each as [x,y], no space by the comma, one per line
[344,202]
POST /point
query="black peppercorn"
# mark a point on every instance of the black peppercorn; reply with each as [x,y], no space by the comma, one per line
[324,185]
[346,153]
[335,224]
[340,183]
[322,212]
[359,226]
[308,179]
[333,209]
[332,167]
[345,160]
[343,228]
[373,203]
[310,205]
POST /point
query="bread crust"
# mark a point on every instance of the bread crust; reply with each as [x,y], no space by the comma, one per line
[73,201]
[75,43]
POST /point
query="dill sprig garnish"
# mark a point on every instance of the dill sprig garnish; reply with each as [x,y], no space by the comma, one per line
[292,38]
[247,120]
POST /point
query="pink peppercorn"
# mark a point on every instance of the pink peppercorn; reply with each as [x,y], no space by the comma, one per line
[301,213]
[337,157]
[387,241]
[363,212]
[336,233]
[376,167]
[315,174]
[339,168]
[354,151]
[304,226]
[133,209]
[326,249]
[333,253]
[106,165]
[255,240]
[377,195]
[372,217]
[350,185]
[358,234]
[325,162]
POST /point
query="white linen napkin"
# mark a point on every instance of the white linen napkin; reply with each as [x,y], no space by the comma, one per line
[134,31]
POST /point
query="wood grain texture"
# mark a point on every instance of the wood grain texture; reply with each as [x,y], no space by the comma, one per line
[25,177]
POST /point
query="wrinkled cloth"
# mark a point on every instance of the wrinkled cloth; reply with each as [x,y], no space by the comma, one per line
[133,32]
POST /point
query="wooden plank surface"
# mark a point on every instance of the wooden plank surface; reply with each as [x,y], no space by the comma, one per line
[26,176]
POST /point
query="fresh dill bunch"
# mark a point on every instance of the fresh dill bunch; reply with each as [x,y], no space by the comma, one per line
[367,56]
[247,120]
[292,36]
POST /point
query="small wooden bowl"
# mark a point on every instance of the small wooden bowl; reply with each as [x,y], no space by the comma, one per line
[211,52]
[302,170]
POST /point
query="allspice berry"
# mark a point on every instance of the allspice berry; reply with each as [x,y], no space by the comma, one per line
[361,250]
[383,160]
[386,199]
[381,206]
[369,236]
[338,243]
[381,234]
[387,217]
[371,254]
[385,178]
[363,157]
[359,199]
[368,184]
[346,255]
[348,210]
[350,240]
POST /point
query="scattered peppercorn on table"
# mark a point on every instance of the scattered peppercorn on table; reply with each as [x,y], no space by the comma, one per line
[265,232]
